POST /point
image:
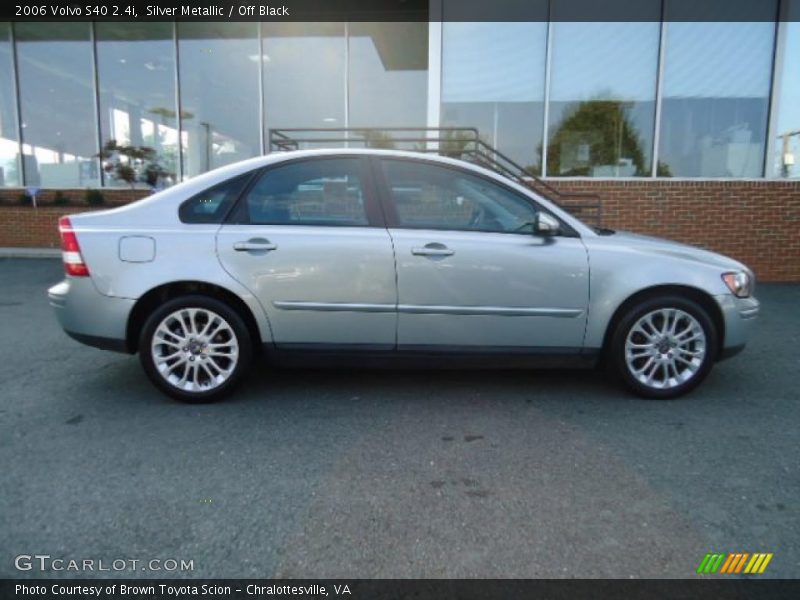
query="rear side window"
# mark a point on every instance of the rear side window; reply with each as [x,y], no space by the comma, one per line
[211,205]
[309,192]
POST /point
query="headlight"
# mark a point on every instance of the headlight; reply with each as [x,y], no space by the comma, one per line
[739,283]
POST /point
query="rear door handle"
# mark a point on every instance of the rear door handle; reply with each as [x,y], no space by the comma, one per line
[433,249]
[255,245]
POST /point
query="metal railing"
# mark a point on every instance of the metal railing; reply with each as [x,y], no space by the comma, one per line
[463,143]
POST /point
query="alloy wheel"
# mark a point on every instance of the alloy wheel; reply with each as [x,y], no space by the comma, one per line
[194,349]
[665,348]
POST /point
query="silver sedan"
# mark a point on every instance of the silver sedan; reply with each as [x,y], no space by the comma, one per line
[333,256]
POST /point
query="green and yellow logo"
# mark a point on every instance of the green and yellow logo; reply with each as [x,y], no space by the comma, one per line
[734,562]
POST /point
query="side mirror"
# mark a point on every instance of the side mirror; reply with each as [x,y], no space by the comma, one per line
[545,225]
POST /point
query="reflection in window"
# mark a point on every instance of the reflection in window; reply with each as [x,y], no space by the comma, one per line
[136,78]
[319,192]
[787,91]
[57,104]
[388,83]
[304,75]
[219,65]
[493,79]
[431,197]
[9,144]
[602,99]
[715,99]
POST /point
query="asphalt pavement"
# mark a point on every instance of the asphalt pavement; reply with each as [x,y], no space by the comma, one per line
[349,473]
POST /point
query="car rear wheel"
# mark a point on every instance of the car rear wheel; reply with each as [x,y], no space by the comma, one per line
[195,348]
[664,347]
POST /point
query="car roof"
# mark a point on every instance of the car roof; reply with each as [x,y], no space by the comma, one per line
[418,155]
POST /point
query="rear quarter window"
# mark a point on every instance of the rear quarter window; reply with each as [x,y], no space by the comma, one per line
[212,205]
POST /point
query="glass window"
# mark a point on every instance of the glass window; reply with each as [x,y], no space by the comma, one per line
[431,197]
[493,80]
[602,98]
[219,64]
[136,79]
[213,204]
[715,99]
[787,92]
[9,142]
[56,87]
[304,76]
[388,76]
[311,192]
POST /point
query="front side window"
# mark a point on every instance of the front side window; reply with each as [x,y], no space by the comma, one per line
[314,192]
[432,197]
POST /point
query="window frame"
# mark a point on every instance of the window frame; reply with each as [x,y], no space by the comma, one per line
[239,215]
[393,220]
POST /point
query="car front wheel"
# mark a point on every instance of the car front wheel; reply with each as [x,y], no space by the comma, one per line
[195,348]
[664,347]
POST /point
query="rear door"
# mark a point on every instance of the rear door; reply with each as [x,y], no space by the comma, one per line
[470,274]
[308,240]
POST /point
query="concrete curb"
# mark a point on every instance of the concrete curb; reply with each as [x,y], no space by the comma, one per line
[30,253]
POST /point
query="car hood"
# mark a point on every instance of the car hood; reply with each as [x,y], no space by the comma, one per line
[662,247]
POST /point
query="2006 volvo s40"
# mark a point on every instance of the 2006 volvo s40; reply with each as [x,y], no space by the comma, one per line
[384,255]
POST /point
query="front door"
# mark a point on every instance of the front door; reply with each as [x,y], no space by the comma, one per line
[470,274]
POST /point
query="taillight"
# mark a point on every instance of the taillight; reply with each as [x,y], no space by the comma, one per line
[70,250]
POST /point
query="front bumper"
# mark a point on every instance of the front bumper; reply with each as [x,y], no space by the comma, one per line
[90,317]
[739,315]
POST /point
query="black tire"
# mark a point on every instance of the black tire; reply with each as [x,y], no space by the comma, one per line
[242,343]
[617,361]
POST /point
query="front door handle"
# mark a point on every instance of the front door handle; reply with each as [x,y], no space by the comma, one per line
[255,245]
[433,249]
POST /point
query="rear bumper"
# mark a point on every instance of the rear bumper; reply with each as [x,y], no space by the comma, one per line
[740,316]
[90,317]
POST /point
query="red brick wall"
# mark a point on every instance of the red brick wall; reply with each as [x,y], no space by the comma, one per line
[76,198]
[26,227]
[757,222]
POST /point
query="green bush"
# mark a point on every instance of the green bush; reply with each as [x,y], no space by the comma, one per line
[94,197]
[60,199]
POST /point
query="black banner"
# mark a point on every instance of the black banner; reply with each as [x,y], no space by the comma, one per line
[400,10]
[430,589]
